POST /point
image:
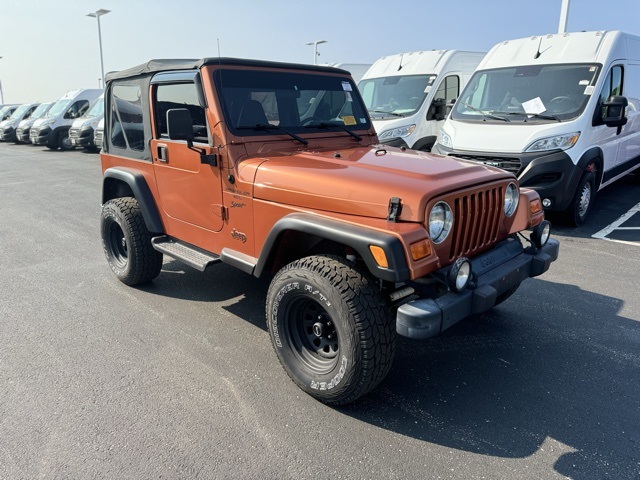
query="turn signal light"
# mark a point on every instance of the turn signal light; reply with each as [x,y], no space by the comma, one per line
[420,249]
[535,206]
[379,256]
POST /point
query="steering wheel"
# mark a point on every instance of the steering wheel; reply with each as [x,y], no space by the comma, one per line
[310,120]
[562,99]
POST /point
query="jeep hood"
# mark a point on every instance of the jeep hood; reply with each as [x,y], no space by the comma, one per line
[360,181]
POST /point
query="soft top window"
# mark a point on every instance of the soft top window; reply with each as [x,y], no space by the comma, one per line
[259,102]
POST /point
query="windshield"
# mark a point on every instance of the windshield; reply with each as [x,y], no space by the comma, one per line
[97,109]
[398,96]
[543,93]
[40,110]
[294,102]
[58,108]
[19,111]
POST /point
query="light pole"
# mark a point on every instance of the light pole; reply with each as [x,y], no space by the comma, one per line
[315,49]
[97,14]
[564,16]
[1,95]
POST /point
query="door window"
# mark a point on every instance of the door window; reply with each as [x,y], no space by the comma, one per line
[180,95]
[612,86]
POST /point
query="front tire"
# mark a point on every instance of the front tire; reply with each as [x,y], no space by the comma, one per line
[582,201]
[127,242]
[64,142]
[331,328]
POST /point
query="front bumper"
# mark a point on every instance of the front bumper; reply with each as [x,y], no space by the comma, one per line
[40,136]
[22,134]
[497,270]
[82,137]
[7,134]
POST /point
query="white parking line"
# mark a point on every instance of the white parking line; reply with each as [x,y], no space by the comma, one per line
[602,234]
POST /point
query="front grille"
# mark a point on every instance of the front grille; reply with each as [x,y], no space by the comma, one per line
[505,163]
[74,133]
[476,221]
[97,139]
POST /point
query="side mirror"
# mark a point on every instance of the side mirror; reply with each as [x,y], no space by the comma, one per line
[615,111]
[179,124]
[437,110]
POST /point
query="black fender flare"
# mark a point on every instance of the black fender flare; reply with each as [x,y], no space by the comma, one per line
[55,133]
[357,237]
[112,180]
[425,141]
[594,153]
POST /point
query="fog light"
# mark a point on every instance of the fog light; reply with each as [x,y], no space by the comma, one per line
[541,234]
[459,274]
[546,202]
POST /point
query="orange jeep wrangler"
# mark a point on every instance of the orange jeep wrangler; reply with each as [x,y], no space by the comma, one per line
[275,168]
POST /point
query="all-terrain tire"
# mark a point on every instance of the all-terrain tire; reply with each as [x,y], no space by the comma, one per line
[331,328]
[127,242]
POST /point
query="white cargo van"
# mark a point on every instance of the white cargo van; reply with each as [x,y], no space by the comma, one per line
[560,111]
[408,95]
[82,129]
[24,127]
[52,130]
[8,126]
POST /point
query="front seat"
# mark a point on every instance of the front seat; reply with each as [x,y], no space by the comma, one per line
[251,113]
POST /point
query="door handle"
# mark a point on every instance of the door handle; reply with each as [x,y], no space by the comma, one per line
[162,153]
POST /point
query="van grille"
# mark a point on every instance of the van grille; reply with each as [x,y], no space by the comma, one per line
[505,163]
[97,139]
[476,221]
[74,133]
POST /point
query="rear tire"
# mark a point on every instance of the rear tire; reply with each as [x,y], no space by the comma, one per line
[580,205]
[331,328]
[127,242]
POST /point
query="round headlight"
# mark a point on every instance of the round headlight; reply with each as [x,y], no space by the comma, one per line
[511,199]
[540,235]
[459,274]
[440,220]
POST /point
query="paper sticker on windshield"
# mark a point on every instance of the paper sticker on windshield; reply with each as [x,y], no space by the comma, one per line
[588,90]
[427,89]
[346,86]
[533,106]
[349,120]
[349,99]
[583,82]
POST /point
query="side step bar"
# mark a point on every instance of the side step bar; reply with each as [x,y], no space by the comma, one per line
[192,256]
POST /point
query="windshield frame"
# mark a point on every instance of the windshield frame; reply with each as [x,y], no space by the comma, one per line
[282,94]
[566,108]
[411,104]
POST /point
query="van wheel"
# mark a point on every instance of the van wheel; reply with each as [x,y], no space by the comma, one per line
[581,204]
[331,328]
[127,242]
[64,142]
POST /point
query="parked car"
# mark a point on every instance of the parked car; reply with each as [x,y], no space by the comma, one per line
[24,127]
[82,130]
[8,127]
[408,95]
[560,111]
[214,161]
[52,130]
[99,134]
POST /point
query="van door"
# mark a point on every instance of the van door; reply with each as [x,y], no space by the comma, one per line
[607,138]
[629,153]
[189,191]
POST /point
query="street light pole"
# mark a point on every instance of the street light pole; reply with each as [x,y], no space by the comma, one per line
[315,49]
[97,14]
[1,94]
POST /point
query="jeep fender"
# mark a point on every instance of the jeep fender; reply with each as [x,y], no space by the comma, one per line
[123,182]
[357,237]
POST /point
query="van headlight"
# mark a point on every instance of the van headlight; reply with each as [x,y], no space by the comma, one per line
[444,139]
[511,197]
[557,142]
[399,132]
[440,221]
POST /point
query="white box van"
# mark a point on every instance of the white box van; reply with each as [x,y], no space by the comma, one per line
[560,111]
[52,130]
[408,94]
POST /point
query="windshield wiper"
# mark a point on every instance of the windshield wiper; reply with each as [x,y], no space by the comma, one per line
[483,113]
[327,125]
[387,113]
[536,115]
[268,126]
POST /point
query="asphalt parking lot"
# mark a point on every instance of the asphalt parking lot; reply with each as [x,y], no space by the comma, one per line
[178,379]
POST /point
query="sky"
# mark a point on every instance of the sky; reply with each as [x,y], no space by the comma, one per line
[49,47]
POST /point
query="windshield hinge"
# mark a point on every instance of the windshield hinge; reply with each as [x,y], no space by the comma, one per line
[395,209]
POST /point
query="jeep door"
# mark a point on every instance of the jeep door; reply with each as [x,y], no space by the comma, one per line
[190,192]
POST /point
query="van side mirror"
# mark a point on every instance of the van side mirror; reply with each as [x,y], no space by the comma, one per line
[615,111]
[179,124]
[437,110]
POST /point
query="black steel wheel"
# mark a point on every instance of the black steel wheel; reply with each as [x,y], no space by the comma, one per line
[330,327]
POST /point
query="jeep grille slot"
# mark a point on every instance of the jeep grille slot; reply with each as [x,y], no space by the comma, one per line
[476,219]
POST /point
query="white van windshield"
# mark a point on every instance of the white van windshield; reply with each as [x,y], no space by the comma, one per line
[397,96]
[96,110]
[544,93]
[37,113]
[19,111]
[58,108]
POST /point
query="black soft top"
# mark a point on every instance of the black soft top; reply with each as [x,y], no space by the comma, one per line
[163,65]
